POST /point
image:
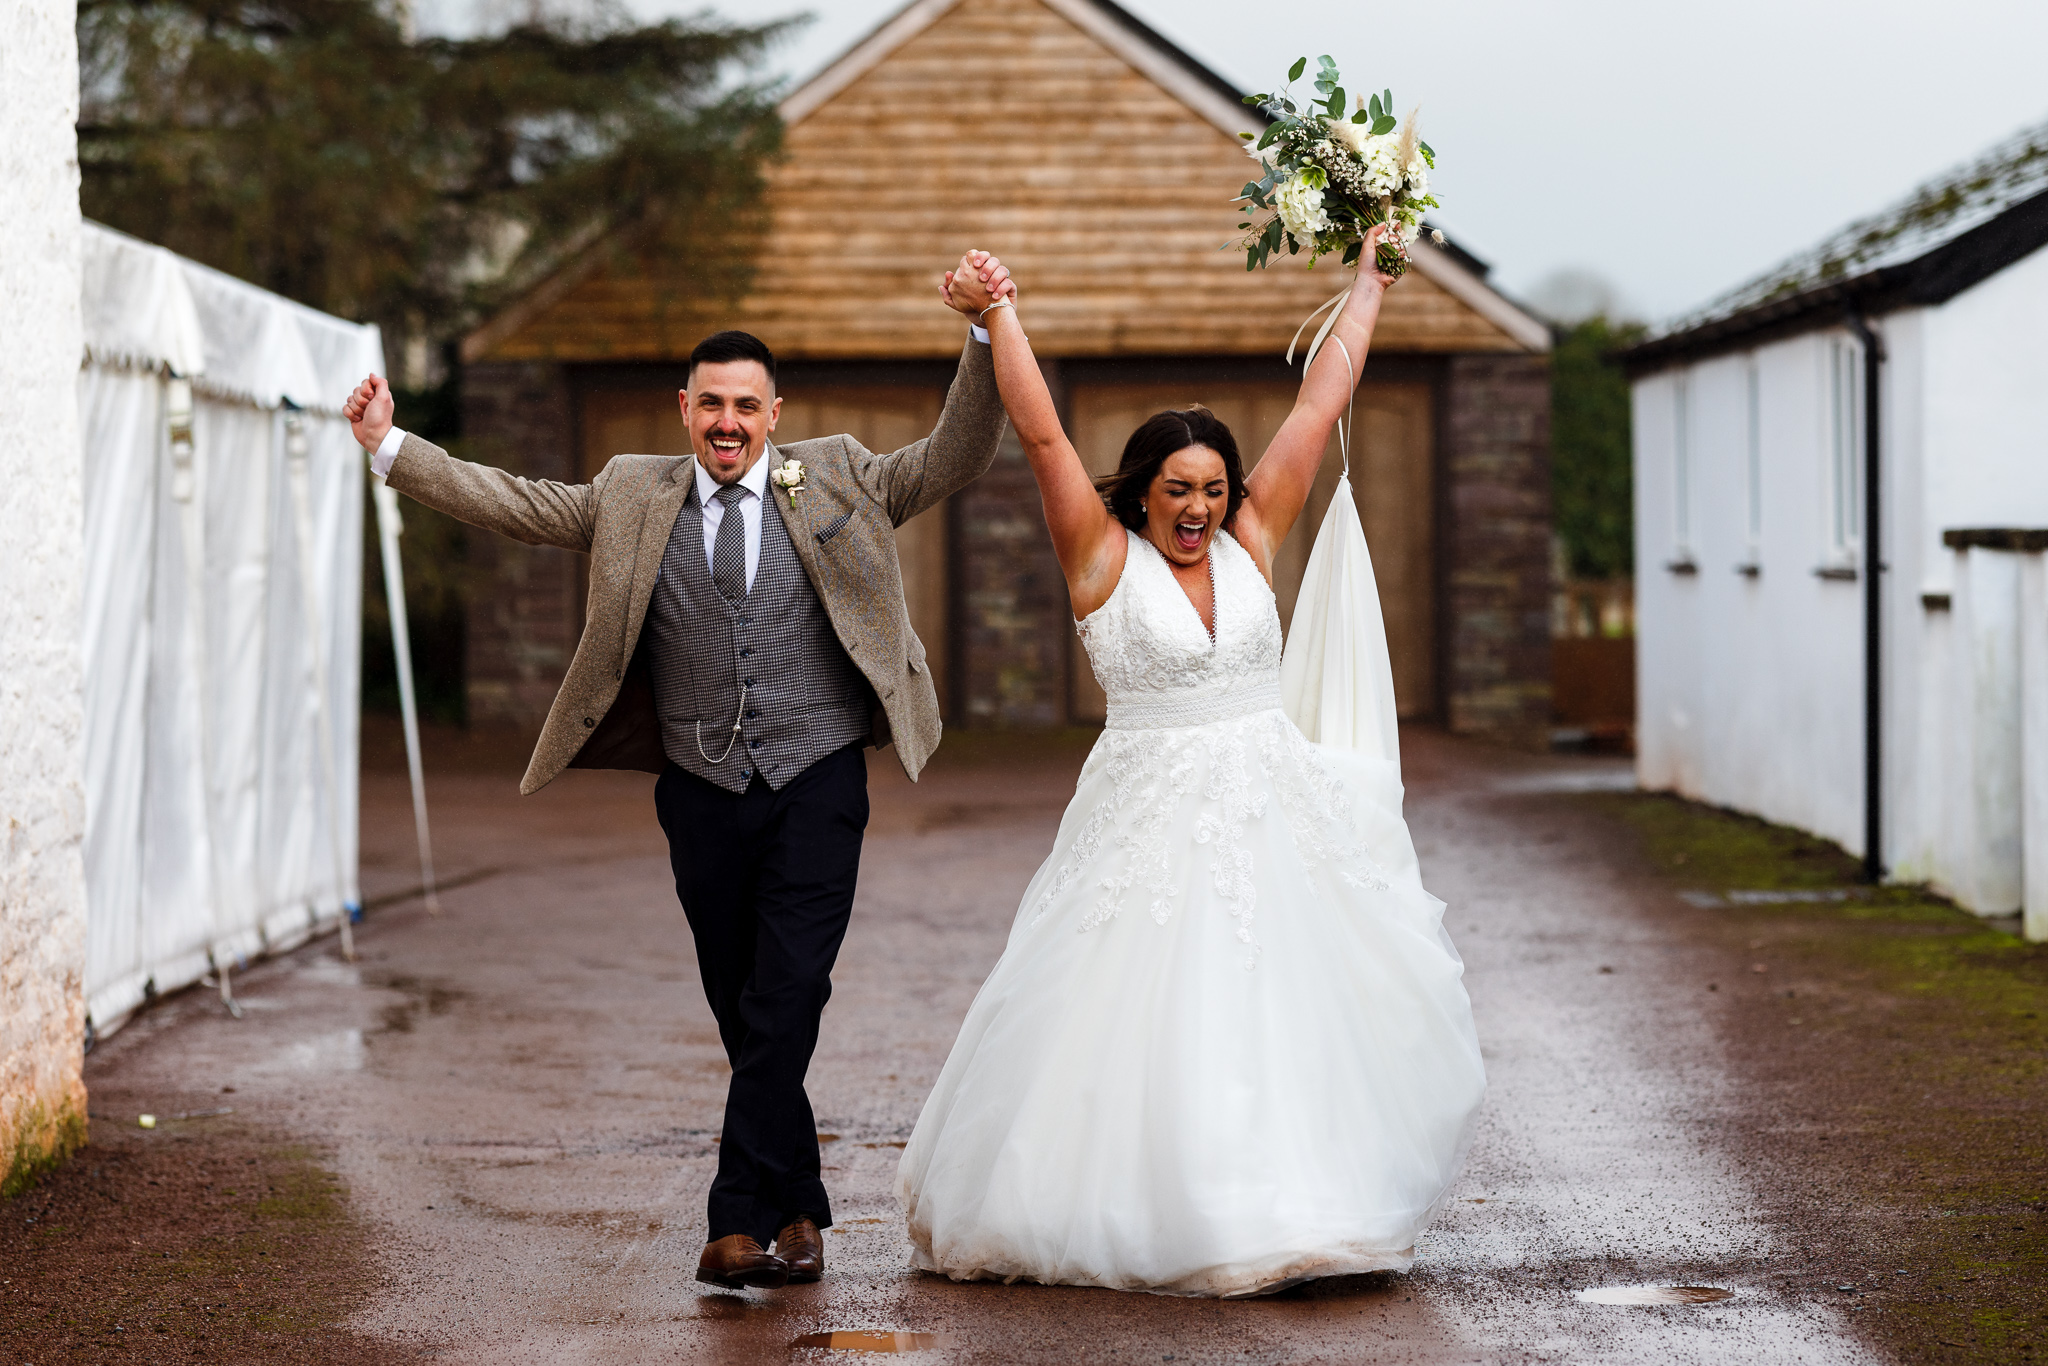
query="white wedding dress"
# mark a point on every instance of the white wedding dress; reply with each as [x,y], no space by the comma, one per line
[1228,1047]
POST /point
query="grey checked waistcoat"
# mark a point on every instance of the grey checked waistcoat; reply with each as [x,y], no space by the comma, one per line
[803,697]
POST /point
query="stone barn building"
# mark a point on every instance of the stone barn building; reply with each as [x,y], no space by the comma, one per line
[1099,161]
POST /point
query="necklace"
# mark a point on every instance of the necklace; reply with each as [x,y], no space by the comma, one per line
[1210,560]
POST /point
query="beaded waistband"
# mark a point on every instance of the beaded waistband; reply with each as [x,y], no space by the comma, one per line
[1167,712]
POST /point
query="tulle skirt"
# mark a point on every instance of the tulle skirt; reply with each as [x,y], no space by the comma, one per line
[1227,1047]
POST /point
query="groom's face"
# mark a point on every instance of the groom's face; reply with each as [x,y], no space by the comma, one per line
[731,408]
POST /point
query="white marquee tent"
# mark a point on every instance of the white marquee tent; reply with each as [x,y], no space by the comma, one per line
[223,512]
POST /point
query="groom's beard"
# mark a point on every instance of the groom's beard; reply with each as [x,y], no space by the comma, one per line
[713,462]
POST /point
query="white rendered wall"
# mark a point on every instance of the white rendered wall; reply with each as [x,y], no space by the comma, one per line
[1987,403]
[1982,445]
[42,796]
[1750,687]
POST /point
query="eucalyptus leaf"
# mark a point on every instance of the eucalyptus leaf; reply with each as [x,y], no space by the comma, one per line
[1327,62]
[1294,72]
[1428,151]
[1383,125]
[1388,104]
[1375,108]
[1360,117]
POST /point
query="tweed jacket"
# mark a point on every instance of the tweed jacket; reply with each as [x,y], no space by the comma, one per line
[843,527]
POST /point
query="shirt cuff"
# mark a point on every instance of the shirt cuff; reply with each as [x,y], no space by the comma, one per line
[387,451]
[978,332]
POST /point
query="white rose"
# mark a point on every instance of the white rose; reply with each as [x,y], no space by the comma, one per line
[1301,211]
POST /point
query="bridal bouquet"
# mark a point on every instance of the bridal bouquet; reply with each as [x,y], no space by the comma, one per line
[1331,176]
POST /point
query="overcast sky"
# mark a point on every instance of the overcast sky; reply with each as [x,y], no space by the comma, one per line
[1673,149]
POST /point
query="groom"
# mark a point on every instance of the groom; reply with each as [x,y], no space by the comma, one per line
[746,637]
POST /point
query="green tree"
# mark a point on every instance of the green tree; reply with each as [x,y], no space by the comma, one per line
[1591,484]
[309,147]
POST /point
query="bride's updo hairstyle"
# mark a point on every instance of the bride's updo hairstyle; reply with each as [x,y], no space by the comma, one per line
[1161,435]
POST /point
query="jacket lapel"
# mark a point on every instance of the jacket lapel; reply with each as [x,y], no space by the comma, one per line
[657,521]
[796,515]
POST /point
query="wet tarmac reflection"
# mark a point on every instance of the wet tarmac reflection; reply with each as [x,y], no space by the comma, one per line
[1656,1294]
[861,1341]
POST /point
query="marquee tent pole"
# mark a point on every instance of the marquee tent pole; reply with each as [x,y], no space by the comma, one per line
[390,525]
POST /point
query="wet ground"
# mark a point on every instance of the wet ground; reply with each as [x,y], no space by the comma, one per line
[521,1096]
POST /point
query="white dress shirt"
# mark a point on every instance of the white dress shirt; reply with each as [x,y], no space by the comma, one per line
[755,482]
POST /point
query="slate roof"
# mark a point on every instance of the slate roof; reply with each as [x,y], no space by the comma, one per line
[1947,235]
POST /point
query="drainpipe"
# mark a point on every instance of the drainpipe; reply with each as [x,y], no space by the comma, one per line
[1873,603]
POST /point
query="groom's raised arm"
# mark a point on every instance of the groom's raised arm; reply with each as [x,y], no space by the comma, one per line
[535,511]
[963,445]
[960,449]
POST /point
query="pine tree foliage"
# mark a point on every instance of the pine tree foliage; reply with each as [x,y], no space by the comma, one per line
[306,146]
[1591,479]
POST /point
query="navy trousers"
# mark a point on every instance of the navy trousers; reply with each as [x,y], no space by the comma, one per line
[766,879]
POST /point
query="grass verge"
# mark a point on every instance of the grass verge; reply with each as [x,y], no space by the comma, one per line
[1903,1047]
[200,1240]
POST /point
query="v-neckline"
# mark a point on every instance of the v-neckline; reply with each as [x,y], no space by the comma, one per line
[1215,603]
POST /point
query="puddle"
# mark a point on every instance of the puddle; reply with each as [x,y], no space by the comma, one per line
[864,1341]
[341,1051]
[1616,777]
[1772,896]
[1656,1294]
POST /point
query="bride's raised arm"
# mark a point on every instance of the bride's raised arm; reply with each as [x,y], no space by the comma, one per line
[1277,489]
[1089,542]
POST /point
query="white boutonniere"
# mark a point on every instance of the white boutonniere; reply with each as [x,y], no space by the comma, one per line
[789,477]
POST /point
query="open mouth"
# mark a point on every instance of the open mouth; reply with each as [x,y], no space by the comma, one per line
[728,447]
[1188,535]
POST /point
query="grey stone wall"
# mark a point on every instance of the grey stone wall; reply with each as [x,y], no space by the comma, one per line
[1495,544]
[525,602]
[1012,626]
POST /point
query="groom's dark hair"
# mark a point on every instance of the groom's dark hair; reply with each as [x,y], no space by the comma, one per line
[721,347]
[1162,434]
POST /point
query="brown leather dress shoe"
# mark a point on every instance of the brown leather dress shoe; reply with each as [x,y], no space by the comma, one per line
[737,1261]
[802,1249]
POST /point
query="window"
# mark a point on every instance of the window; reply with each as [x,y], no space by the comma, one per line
[1681,467]
[1754,432]
[1845,452]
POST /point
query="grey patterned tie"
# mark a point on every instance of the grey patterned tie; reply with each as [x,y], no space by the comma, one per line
[729,551]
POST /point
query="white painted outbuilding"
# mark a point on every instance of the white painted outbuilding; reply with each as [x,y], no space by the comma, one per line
[1899,369]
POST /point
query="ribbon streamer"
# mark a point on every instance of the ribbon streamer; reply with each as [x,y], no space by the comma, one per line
[1337,305]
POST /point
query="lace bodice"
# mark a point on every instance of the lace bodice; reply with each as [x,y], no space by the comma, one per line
[1154,658]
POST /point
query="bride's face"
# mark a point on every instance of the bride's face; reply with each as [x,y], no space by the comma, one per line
[1185,505]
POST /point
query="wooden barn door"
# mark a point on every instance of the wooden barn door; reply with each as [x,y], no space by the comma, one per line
[880,417]
[1391,478]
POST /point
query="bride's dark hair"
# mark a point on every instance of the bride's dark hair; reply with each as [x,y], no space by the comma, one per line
[1161,435]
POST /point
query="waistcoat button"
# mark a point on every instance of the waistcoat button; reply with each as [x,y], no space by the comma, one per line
[588,722]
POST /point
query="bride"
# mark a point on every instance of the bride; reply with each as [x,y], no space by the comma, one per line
[1227,1048]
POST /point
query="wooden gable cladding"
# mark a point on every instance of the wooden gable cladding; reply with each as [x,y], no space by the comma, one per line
[1005,125]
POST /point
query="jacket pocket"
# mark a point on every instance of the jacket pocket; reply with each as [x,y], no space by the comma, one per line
[832,528]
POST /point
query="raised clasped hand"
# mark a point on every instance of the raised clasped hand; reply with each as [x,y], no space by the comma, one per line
[976,283]
[369,409]
[1369,255]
